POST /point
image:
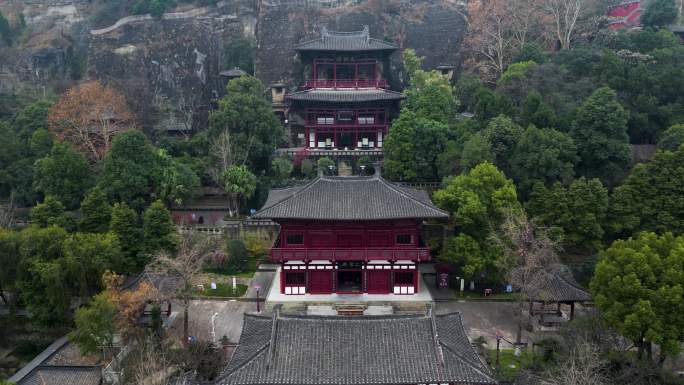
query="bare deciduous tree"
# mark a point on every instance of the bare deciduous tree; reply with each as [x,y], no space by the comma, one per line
[582,366]
[565,14]
[186,265]
[529,254]
[498,29]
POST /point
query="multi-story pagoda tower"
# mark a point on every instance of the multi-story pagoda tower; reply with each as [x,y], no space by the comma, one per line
[345,106]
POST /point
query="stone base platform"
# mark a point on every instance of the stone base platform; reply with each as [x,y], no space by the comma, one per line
[414,302]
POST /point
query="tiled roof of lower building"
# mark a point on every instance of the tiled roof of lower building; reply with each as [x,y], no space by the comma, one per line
[63,375]
[345,95]
[348,198]
[364,350]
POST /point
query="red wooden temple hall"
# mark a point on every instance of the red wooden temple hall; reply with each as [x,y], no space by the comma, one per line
[349,235]
[345,103]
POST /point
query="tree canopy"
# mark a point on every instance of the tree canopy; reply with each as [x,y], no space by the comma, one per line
[638,286]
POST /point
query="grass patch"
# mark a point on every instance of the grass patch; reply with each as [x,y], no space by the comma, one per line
[509,364]
[252,265]
[224,290]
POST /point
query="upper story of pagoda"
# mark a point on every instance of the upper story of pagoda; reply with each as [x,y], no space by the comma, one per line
[345,60]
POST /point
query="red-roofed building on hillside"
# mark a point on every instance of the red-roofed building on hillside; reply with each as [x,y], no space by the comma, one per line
[625,15]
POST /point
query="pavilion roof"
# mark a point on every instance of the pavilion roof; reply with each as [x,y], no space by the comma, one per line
[396,349]
[562,287]
[348,198]
[359,41]
[60,375]
[345,95]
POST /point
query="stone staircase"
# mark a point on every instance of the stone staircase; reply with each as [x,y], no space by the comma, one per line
[344,169]
[350,309]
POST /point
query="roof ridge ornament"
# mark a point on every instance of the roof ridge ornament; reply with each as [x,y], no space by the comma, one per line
[366,33]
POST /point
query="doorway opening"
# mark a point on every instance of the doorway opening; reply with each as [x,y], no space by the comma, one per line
[349,281]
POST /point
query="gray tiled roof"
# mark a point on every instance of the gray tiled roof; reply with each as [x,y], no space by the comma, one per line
[345,95]
[346,41]
[562,287]
[398,349]
[348,198]
[63,375]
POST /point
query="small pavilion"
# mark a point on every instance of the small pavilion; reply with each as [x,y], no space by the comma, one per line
[559,289]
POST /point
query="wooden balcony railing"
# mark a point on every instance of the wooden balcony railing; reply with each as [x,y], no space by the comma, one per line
[360,254]
[347,83]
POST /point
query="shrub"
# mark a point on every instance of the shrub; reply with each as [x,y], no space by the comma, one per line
[237,256]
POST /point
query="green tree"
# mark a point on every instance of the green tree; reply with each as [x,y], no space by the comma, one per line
[87,257]
[31,118]
[478,200]
[241,184]
[51,213]
[659,13]
[42,282]
[281,168]
[237,256]
[579,211]
[672,138]
[323,164]
[649,199]
[544,155]
[95,212]
[244,126]
[41,143]
[159,232]
[430,95]
[130,171]
[419,135]
[5,30]
[95,326]
[178,182]
[64,174]
[535,111]
[466,252]
[307,168]
[412,147]
[125,224]
[475,151]
[638,286]
[503,134]
[600,133]
[10,241]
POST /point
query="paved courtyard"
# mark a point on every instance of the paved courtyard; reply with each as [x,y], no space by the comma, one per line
[228,322]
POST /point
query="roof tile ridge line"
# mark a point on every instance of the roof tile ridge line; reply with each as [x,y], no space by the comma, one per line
[304,188]
[394,188]
[248,361]
[436,343]
[479,359]
[575,285]
[469,363]
[271,344]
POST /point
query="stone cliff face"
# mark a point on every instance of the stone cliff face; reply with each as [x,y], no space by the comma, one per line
[172,64]
[433,28]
